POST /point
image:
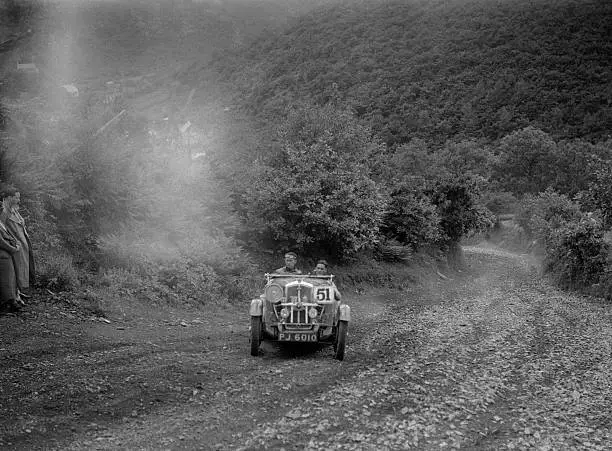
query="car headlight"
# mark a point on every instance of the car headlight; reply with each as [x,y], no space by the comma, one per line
[274,293]
[313,312]
[284,313]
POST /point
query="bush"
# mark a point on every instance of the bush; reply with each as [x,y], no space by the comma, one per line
[526,160]
[411,218]
[500,202]
[198,283]
[365,273]
[315,195]
[390,250]
[599,193]
[603,288]
[57,272]
[540,215]
[107,182]
[198,267]
[140,247]
[175,282]
[120,287]
[576,254]
[576,164]
[457,200]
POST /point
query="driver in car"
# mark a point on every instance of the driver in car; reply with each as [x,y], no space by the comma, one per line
[290,262]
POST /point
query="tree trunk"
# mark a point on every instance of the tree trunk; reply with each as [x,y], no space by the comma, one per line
[455,256]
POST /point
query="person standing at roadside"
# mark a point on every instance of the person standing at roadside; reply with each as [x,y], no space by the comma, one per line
[24,258]
[8,281]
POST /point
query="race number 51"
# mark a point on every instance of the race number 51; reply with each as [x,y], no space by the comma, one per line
[324,294]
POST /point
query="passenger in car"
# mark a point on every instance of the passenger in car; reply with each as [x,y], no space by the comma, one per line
[290,265]
[321,270]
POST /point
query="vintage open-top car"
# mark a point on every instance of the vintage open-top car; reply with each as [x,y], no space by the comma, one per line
[302,309]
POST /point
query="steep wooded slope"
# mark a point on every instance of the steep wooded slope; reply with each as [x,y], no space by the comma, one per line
[441,69]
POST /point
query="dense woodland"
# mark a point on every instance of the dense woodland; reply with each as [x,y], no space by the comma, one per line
[362,132]
[439,70]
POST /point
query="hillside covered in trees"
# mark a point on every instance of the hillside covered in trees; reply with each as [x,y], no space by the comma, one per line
[435,70]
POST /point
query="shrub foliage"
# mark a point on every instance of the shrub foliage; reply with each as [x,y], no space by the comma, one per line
[411,218]
[315,194]
[576,254]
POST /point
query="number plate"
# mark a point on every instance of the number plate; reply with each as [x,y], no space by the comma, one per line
[297,336]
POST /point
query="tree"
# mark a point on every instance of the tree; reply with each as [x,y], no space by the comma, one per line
[526,161]
[411,218]
[315,194]
[439,196]
[415,158]
[576,163]
[458,204]
[545,212]
[19,11]
[465,157]
[576,253]
[598,195]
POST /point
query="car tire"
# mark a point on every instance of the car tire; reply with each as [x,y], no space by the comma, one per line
[340,341]
[335,342]
[255,335]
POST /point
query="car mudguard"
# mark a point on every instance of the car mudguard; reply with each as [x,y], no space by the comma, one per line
[256,307]
[345,313]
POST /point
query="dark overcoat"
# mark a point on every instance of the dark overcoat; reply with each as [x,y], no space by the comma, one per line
[23,260]
[8,281]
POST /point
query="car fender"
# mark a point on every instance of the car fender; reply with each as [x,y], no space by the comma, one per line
[345,313]
[256,307]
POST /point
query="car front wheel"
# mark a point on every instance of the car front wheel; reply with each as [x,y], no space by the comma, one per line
[340,342]
[255,334]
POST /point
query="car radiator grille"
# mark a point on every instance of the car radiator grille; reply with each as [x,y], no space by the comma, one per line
[298,317]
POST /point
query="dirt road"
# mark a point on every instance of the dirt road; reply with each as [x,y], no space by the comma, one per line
[491,358]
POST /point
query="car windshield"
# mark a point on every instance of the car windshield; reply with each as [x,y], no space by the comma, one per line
[283,279]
